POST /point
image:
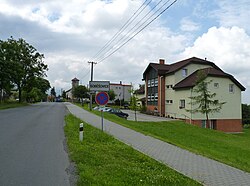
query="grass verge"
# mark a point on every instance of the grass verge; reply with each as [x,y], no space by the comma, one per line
[8,105]
[232,149]
[103,160]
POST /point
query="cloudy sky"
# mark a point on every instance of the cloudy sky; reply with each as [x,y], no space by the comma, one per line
[71,33]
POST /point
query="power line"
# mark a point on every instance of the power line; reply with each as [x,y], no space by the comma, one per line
[127,23]
[136,27]
[140,30]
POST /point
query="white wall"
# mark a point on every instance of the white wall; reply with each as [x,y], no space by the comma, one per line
[230,110]
[121,91]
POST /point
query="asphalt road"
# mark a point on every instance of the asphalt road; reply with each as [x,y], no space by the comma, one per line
[32,146]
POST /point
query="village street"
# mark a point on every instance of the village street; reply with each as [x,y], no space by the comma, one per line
[32,146]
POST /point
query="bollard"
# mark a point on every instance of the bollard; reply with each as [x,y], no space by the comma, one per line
[81,132]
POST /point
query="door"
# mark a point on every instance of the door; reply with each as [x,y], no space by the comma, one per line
[203,123]
[213,124]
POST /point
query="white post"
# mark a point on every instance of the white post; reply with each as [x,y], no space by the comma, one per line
[81,132]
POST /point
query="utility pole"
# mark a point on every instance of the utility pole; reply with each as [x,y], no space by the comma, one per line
[91,79]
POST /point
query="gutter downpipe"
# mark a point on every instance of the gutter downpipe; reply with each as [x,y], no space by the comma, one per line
[191,106]
[159,93]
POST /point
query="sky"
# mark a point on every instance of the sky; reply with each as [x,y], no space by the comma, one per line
[72,33]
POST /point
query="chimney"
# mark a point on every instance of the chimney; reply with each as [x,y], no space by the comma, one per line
[161,61]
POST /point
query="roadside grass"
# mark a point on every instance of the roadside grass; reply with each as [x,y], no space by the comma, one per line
[103,160]
[231,149]
[7,105]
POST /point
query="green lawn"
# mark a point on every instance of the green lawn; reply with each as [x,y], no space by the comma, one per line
[232,149]
[103,160]
[11,105]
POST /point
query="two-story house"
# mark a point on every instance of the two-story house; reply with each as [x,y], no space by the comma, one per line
[170,86]
[122,91]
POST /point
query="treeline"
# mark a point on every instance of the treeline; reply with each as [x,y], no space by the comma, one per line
[245,114]
[22,71]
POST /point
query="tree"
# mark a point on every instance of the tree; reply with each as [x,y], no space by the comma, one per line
[133,101]
[80,92]
[64,94]
[53,92]
[24,62]
[245,114]
[39,83]
[5,71]
[204,99]
[112,95]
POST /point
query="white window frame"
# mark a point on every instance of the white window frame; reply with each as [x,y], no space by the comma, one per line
[231,88]
[182,103]
[156,96]
[169,102]
[156,82]
[216,85]
[149,83]
[152,83]
[184,72]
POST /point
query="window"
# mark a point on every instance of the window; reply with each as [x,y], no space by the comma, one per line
[152,82]
[169,101]
[156,96]
[182,104]
[216,85]
[149,83]
[184,72]
[169,86]
[149,98]
[156,82]
[231,88]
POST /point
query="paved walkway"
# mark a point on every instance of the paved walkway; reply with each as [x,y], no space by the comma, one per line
[204,170]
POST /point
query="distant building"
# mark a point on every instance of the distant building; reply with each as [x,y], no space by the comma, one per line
[140,95]
[169,88]
[74,83]
[122,91]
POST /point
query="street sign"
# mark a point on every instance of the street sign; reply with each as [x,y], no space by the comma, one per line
[102,98]
[99,86]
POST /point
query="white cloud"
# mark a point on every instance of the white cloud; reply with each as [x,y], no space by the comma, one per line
[69,33]
[228,48]
[233,13]
[189,25]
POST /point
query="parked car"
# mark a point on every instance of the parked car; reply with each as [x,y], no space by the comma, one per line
[118,113]
[104,109]
[126,106]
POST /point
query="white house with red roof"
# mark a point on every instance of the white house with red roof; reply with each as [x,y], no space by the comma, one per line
[168,88]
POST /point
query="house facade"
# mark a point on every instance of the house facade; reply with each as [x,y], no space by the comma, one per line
[168,88]
[122,91]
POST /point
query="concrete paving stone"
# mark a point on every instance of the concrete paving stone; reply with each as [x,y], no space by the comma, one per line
[204,170]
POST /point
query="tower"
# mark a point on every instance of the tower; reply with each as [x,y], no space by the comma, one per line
[75,82]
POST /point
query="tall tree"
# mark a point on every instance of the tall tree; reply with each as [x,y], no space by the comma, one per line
[203,99]
[80,92]
[40,84]
[245,114]
[24,61]
[5,71]
[112,95]
[53,92]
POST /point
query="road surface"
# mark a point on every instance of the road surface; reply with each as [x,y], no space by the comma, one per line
[32,146]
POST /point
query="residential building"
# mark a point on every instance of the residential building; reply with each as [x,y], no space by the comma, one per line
[122,91]
[140,95]
[170,86]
